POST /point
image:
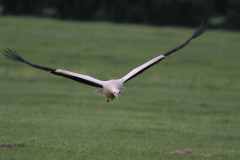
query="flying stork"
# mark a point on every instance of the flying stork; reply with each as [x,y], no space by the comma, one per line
[111,88]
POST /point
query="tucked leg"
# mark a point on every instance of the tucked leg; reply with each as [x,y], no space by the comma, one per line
[111,99]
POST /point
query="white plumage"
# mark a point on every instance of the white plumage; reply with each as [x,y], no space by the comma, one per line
[112,88]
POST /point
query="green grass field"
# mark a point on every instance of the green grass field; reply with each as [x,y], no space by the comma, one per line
[190,100]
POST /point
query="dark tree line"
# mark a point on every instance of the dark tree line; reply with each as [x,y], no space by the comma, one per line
[153,12]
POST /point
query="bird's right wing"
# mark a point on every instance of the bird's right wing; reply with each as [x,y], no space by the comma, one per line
[14,56]
[198,32]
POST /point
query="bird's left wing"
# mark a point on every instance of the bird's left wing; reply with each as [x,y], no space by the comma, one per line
[198,32]
[14,56]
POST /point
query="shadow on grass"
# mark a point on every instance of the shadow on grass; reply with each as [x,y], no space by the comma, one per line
[10,145]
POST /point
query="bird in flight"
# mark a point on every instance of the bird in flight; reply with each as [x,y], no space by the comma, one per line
[111,88]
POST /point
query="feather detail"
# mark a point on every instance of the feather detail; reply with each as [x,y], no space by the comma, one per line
[99,92]
[123,88]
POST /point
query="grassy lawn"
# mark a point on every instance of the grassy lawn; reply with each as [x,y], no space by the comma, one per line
[190,100]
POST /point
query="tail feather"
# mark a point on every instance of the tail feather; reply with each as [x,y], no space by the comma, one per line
[123,88]
[100,92]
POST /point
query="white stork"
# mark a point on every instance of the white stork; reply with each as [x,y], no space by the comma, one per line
[111,88]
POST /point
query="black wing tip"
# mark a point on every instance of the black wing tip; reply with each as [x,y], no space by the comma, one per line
[202,28]
[13,56]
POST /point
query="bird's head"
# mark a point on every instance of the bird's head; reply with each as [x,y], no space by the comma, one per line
[116,93]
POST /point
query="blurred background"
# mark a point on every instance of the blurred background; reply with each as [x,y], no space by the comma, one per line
[224,14]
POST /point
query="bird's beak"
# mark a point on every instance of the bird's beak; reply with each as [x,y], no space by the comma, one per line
[116,95]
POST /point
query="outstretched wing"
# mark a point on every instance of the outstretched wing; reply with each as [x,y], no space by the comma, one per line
[198,32]
[14,56]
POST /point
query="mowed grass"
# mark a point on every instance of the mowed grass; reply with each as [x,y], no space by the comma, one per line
[190,100]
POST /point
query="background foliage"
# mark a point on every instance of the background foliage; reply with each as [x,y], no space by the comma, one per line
[218,13]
